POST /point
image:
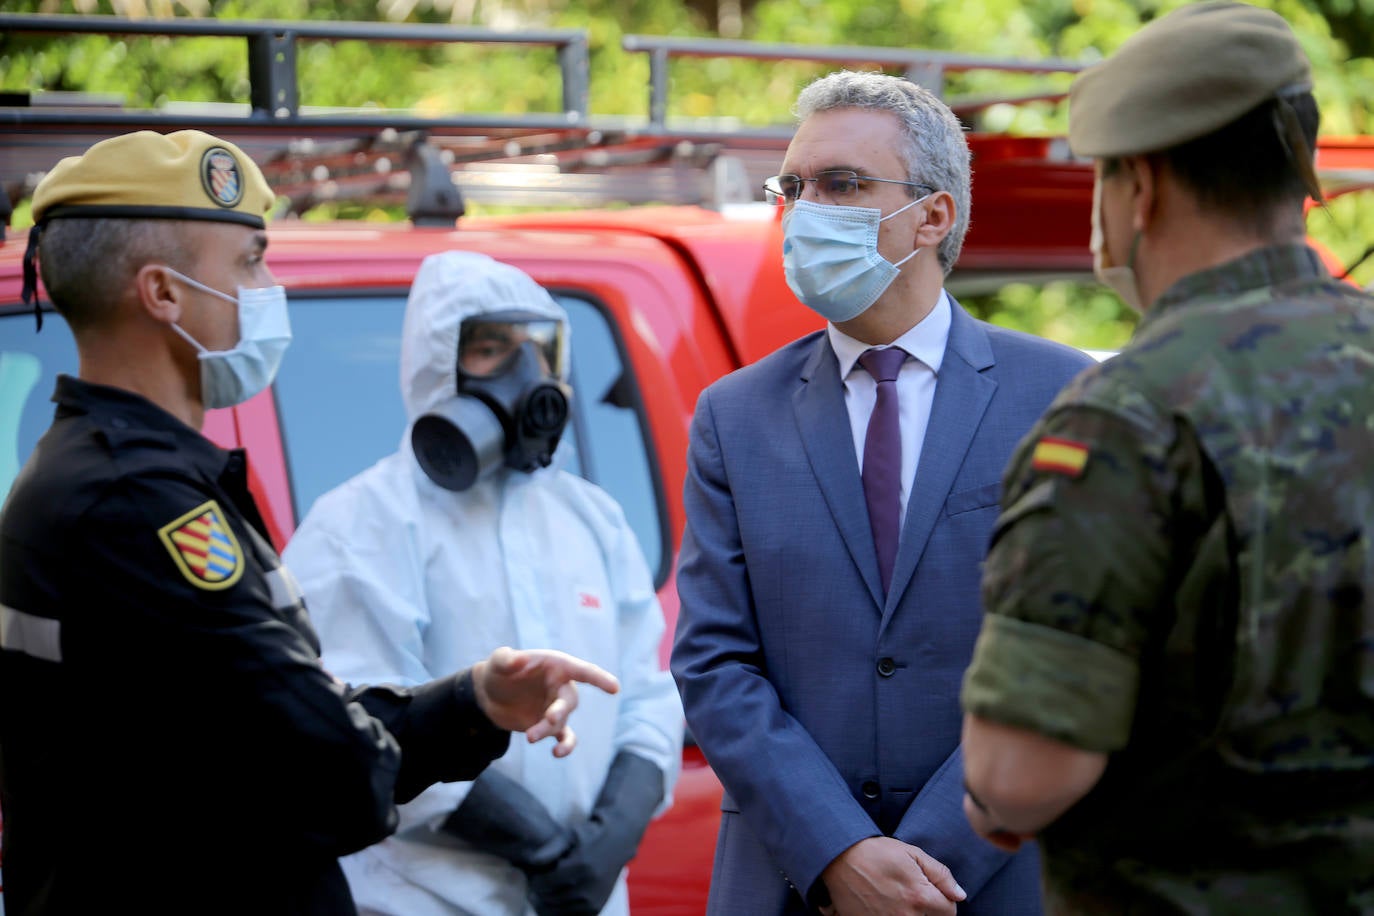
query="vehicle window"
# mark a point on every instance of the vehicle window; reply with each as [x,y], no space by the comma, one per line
[338,390]
[609,422]
[29,364]
[339,399]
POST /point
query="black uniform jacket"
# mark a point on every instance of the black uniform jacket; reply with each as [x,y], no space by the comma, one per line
[169,742]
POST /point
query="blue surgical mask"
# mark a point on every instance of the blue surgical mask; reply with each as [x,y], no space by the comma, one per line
[831,260]
[229,377]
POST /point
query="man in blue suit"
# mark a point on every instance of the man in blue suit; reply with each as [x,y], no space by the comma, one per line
[840,495]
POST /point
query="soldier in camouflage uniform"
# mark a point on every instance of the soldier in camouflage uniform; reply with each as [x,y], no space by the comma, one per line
[1174,683]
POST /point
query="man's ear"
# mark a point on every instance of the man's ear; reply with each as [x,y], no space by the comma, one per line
[941,212]
[1144,190]
[159,295]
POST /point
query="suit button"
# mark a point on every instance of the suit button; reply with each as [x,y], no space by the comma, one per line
[869,789]
[887,667]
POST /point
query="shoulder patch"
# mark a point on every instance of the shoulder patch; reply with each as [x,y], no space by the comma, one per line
[1059,456]
[204,548]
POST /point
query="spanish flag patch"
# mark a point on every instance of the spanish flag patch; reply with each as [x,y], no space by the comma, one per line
[204,548]
[1059,456]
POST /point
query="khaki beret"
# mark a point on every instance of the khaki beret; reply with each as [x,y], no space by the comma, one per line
[1184,76]
[188,175]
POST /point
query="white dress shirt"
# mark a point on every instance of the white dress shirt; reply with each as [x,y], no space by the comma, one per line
[915,385]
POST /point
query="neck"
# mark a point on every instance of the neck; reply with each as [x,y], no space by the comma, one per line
[905,304]
[1163,261]
[1186,238]
[156,375]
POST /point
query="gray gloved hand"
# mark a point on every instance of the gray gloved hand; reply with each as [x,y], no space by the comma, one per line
[501,817]
[580,883]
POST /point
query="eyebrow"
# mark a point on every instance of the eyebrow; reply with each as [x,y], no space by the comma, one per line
[259,242]
[858,170]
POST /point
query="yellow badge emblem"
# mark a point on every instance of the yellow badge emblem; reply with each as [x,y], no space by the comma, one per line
[204,547]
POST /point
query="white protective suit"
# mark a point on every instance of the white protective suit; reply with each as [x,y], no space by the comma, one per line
[407,581]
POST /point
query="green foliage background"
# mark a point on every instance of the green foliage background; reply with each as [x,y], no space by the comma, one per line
[149,71]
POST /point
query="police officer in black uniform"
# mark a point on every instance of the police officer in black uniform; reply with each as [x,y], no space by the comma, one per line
[169,742]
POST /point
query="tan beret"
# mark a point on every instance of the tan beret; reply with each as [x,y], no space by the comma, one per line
[145,175]
[1184,76]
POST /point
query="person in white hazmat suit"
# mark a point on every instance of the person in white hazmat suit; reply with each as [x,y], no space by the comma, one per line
[465,540]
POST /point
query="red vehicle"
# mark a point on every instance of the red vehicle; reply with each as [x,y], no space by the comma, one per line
[662,300]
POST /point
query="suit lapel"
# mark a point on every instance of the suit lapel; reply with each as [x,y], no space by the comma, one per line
[962,393]
[823,422]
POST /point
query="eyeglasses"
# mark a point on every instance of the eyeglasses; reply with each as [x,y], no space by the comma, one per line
[835,184]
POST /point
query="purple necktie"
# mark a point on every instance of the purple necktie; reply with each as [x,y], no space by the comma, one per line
[882,474]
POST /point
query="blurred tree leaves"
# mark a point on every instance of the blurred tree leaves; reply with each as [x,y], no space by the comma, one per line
[1083,314]
[1338,35]
[149,70]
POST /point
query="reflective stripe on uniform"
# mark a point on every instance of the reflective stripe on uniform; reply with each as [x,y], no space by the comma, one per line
[40,637]
[285,593]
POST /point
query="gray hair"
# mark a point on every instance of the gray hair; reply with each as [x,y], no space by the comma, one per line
[936,151]
[88,263]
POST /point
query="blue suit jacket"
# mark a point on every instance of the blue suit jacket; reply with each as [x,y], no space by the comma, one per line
[830,713]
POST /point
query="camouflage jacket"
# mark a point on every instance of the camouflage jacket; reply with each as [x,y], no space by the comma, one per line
[1182,577]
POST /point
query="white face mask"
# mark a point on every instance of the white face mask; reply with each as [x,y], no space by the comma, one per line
[1121,279]
[229,377]
[830,257]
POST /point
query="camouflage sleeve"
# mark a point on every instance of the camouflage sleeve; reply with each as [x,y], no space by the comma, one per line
[1079,570]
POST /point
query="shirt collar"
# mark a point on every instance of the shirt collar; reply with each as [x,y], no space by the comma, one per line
[1260,269]
[925,341]
[125,415]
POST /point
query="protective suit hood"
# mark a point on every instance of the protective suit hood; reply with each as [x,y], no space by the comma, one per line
[449,288]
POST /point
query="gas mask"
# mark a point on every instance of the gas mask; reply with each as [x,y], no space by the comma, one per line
[510,407]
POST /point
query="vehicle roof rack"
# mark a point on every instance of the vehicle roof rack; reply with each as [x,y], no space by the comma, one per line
[565,157]
[756,151]
[540,158]
[925,68]
[290,139]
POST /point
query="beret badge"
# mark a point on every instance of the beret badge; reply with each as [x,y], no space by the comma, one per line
[221,177]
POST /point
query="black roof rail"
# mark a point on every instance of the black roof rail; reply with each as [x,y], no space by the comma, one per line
[925,68]
[274,92]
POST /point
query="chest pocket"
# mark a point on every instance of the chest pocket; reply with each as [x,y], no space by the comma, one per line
[973,498]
